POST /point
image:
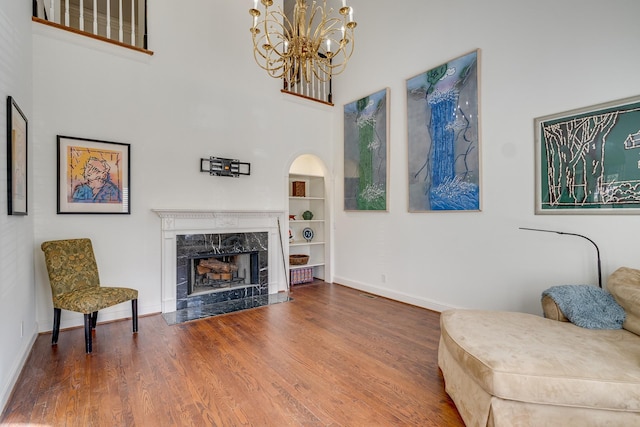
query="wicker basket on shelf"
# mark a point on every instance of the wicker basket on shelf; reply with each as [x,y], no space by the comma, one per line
[298,259]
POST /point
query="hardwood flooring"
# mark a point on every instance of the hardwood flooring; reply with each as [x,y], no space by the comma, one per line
[331,357]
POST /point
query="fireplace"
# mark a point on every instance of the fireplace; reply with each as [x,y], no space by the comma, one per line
[216,267]
[214,272]
[198,246]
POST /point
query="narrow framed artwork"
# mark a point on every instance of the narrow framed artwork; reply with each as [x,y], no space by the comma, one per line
[588,160]
[93,176]
[444,137]
[366,152]
[17,150]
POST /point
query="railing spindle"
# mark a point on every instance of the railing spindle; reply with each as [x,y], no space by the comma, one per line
[39,8]
[81,19]
[66,13]
[52,16]
[120,27]
[108,19]
[314,88]
[95,16]
[133,22]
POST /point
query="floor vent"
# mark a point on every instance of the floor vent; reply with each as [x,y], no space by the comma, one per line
[368,296]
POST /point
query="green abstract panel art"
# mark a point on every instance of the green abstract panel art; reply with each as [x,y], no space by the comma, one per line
[366,125]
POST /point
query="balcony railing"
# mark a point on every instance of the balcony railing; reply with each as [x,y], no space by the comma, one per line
[123,22]
[314,89]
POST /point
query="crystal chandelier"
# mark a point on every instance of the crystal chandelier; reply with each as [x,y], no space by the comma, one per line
[311,44]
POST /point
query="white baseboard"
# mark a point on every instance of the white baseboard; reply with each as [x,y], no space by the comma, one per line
[16,369]
[393,294]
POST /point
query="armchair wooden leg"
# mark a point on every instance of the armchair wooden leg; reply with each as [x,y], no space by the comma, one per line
[87,332]
[56,326]
[134,314]
[94,319]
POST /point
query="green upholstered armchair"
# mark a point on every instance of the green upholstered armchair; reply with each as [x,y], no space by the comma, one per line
[75,285]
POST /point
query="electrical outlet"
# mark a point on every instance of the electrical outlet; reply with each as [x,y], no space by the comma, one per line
[21,329]
[383,278]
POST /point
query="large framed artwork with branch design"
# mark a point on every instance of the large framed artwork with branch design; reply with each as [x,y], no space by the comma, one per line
[444,137]
[588,160]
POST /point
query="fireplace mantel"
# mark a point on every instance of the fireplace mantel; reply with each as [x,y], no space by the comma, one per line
[201,221]
[206,213]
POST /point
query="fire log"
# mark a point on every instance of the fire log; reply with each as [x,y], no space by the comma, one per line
[202,269]
[218,266]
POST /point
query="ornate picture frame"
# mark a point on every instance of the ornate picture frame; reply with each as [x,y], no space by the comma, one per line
[93,176]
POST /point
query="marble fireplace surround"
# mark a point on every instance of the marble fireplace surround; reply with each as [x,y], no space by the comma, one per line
[175,222]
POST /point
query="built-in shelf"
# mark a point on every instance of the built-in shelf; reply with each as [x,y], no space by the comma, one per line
[297,267]
[313,201]
[304,243]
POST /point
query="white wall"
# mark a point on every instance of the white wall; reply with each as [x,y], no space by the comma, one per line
[200,94]
[17,293]
[537,58]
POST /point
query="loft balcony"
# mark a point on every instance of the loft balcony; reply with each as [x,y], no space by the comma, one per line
[120,22]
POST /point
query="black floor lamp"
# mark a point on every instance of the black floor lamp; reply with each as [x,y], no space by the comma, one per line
[574,234]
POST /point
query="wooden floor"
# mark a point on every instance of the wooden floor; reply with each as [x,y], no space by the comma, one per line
[331,357]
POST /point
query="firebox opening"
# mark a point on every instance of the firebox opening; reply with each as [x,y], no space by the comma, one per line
[215,272]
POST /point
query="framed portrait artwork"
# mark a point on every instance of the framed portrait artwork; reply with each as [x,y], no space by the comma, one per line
[93,176]
[588,160]
[17,138]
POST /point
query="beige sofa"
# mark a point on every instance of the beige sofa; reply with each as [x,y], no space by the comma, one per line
[517,369]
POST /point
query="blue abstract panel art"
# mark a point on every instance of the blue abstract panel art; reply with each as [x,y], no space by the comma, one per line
[443,137]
